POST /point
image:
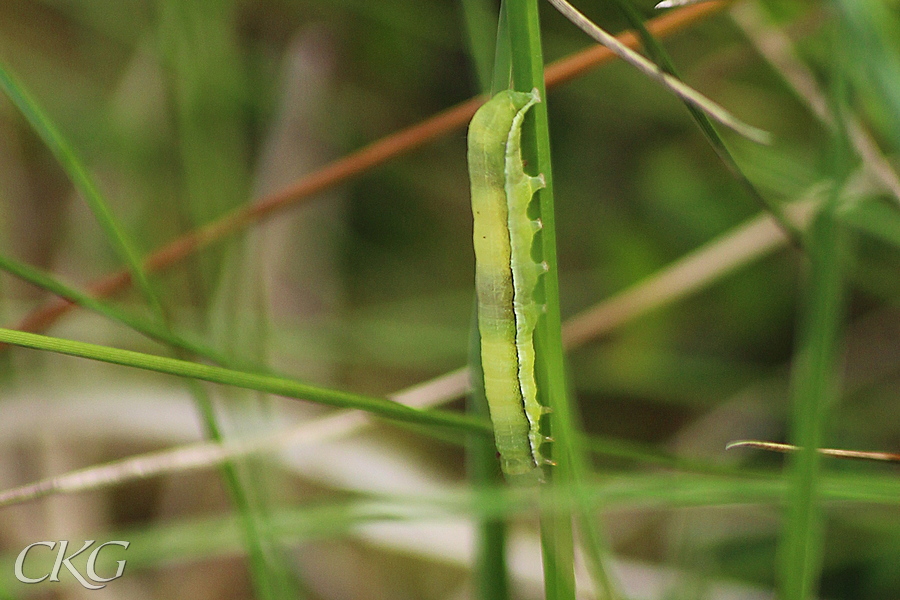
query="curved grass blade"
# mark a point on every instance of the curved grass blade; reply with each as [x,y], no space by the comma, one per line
[242,379]
[685,92]
[835,452]
[659,55]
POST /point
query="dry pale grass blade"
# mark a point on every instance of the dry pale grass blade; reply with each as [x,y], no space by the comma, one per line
[836,452]
[778,50]
[207,454]
[647,67]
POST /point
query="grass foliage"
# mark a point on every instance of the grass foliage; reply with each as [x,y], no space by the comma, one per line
[263,371]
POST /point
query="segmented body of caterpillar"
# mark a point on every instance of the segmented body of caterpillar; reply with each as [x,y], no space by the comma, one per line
[505,279]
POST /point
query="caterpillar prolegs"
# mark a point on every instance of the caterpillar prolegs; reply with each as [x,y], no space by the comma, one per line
[505,280]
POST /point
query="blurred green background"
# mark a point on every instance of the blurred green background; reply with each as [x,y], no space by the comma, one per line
[183,111]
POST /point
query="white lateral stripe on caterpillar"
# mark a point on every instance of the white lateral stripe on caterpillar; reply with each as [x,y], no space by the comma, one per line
[505,279]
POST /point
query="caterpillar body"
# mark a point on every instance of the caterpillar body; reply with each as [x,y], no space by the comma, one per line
[505,279]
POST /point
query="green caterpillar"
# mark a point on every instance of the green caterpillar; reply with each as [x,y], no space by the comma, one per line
[505,279]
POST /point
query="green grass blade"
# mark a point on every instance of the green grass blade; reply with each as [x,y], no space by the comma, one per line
[686,93]
[80,177]
[527,74]
[210,94]
[151,329]
[481,33]
[242,379]
[557,537]
[502,77]
[814,387]
[121,243]
[870,46]
[208,537]
[659,55]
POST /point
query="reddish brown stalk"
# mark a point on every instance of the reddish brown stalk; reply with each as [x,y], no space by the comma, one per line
[352,165]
